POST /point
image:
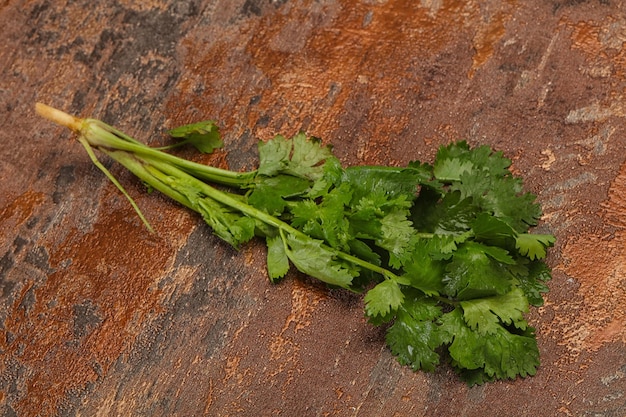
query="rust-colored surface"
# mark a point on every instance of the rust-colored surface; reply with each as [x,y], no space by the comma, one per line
[98,317]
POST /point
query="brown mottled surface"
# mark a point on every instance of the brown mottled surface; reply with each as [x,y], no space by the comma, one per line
[98,317]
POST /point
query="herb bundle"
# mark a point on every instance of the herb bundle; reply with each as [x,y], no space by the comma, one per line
[443,251]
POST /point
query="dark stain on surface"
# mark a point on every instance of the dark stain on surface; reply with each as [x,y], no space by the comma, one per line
[86,318]
[252,7]
[62,183]
[6,263]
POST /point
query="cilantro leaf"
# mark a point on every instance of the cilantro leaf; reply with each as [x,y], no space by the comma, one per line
[277,259]
[415,335]
[474,272]
[507,200]
[270,193]
[384,298]
[449,214]
[483,176]
[486,315]
[299,156]
[424,272]
[455,159]
[533,245]
[533,282]
[443,246]
[311,257]
[332,171]
[326,220]
[451,169]
[397,231]
[307,156]
[501,355]
[274,155]
[388,182]
[492,230]
[204,136]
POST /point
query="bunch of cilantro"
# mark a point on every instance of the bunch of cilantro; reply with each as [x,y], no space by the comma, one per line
[443,251]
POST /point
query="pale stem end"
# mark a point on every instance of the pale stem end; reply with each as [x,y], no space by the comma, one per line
[59,117]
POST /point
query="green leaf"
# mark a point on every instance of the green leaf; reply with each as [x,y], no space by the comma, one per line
[448,215]
[366,223]
[331,176]
[308,155]
[384,298]
[487,315]
[533,282]
[204,136]
[499,254]
[490,229]
[502,197]
[326,220]
[483,176]
[475,272]
[414,335]
[387,183]
[300,156]
[450,169]
[482,159]
[274,155]
[499,355]
[397,231]
[507,200]
[533,246]
[269,193]
[277,259]
[442,247]
[311,257]
[424,272]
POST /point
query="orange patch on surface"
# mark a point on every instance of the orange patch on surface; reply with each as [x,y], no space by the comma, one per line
[20,209]
[602,43]
[488,35]
[331,55]
[598,264]
[68,330]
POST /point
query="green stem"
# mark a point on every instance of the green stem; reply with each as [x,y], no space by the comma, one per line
[106,138]
[147,174]
[250,211]
[150,165]
[114,180]
[102,136]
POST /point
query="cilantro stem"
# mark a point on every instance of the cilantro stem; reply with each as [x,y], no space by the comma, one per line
[102,136]
[160,170]
[229,200]
[153,171]
[114,180]
[147,174]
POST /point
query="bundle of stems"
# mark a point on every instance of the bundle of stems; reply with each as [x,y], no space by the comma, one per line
[187,182]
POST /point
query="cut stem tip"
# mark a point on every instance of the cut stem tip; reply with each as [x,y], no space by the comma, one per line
[59,117]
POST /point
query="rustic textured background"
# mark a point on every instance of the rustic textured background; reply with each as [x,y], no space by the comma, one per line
[98,317]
